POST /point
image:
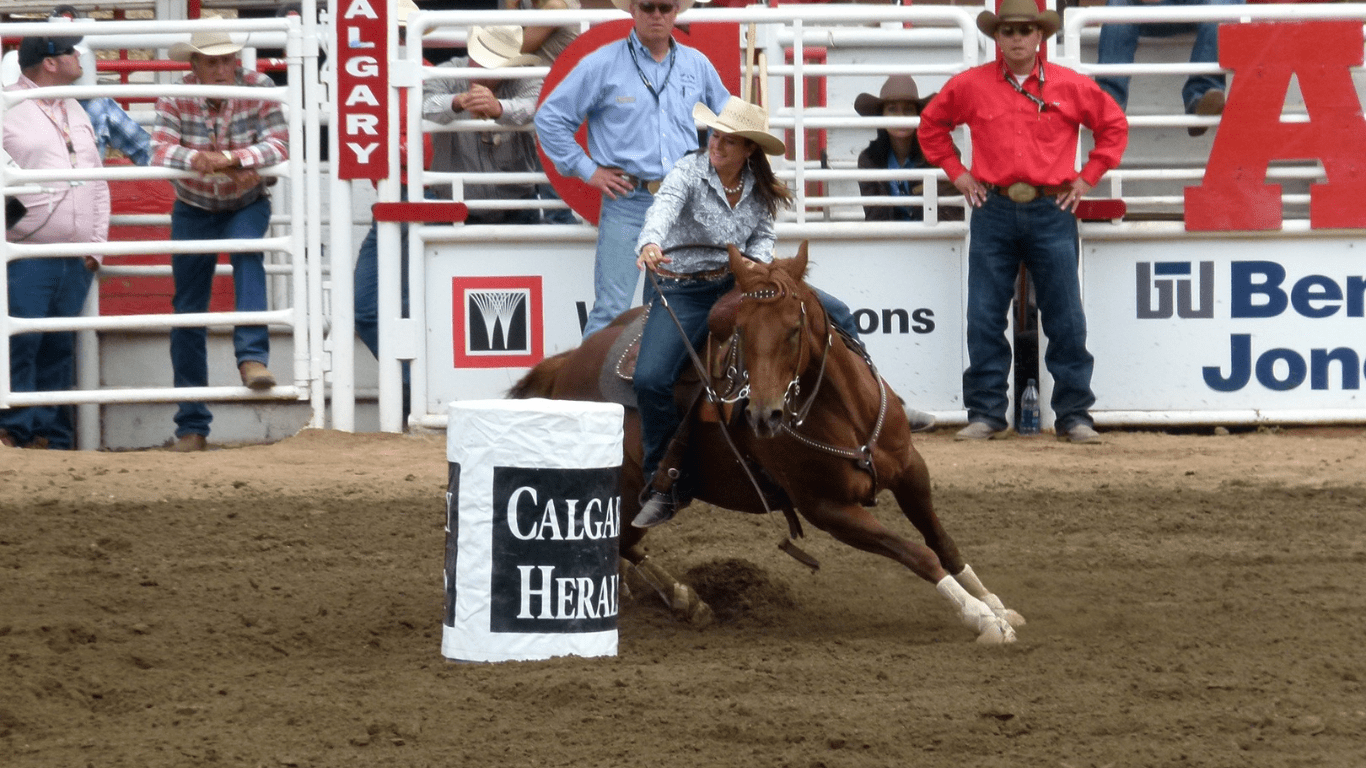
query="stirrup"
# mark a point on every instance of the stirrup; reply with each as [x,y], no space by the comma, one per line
[659,508]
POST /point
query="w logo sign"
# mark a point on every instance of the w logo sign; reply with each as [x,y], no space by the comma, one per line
[1162,285]
[497,321]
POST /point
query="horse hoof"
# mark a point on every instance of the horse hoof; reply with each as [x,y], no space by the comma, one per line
[996,633]
[691,608]
[1013,618]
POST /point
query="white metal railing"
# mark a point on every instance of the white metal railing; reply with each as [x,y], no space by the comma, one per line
[300,271]
[797,26]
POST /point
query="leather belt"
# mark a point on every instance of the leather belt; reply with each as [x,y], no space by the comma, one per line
[710,274]
[651,185]
[1021,192]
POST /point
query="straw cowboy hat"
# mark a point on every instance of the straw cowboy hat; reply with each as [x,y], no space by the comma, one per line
[625,5]
[897,88]
[494,47]
[1019,10]
[740,118]
[208,43]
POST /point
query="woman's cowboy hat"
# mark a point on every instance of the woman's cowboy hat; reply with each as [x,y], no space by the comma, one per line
[494,47]
[740,118]
[208,43]
[1019,10]
[897,88]
[625,5]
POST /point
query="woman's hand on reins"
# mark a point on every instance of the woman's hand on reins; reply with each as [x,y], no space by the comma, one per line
[651,256]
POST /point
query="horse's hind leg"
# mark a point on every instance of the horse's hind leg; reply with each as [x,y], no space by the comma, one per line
[912,492]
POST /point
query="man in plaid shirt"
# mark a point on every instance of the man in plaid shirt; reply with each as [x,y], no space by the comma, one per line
[225,142]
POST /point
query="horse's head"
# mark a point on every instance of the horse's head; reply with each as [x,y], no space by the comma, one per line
[781,326]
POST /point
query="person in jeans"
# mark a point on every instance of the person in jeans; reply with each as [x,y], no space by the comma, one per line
[1024,114]
[727,194]
[49,133]
[1202,94]
[224,142]
[637,96]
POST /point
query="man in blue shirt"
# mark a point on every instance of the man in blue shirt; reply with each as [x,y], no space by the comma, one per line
[637,96]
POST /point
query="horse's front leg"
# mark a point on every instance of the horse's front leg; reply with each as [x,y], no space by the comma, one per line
[855,526]
[912,491]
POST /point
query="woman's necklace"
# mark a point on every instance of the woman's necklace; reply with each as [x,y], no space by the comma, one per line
[735,190]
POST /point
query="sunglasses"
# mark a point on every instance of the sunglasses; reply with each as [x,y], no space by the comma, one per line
[663,9]
[1017,30]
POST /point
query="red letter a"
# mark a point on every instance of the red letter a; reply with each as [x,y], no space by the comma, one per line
[1234,194]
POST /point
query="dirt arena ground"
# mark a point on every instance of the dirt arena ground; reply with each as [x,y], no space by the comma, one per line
[1192,600]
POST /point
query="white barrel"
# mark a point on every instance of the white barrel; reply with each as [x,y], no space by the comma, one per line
[533,512]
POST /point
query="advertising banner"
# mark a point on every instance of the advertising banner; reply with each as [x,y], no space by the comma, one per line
[1226,324]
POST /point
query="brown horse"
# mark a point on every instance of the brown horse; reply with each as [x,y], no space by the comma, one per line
[822,426]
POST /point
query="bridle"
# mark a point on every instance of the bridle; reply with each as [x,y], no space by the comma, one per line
[794,414]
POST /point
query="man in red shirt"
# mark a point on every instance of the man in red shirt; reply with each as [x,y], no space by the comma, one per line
[1024,114]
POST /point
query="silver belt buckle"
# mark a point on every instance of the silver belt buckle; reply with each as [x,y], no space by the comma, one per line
[1022,193]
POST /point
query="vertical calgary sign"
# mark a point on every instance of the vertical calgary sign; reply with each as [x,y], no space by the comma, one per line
[362,48]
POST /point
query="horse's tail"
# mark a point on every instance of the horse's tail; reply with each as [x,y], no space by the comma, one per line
[540,381]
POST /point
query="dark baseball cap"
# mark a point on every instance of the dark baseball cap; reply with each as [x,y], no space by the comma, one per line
[34,49]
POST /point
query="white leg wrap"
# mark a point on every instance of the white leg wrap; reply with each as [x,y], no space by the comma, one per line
[976,614]
[975,588]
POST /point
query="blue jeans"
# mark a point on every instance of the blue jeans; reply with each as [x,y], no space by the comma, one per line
[42,362]
[366,285]
[1118,42]
[614,271]
[193,273]
[663,356]
[1044,237]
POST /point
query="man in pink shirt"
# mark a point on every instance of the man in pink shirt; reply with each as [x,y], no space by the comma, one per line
[1025,115]
[48,133]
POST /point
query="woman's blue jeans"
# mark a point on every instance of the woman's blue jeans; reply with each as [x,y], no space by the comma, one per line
[1044,237]
[42,362]
[193,275]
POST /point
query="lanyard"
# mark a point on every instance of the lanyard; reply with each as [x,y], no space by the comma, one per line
[56,112]
[1010,78]
[673,50]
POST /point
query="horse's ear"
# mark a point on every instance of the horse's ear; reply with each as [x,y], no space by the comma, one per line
[795,266]
[740,266]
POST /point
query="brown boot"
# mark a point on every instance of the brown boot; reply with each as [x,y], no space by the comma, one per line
[190,443]
[255,375]
[6,440]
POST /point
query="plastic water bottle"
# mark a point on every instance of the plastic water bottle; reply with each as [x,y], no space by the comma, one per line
[1029,410]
